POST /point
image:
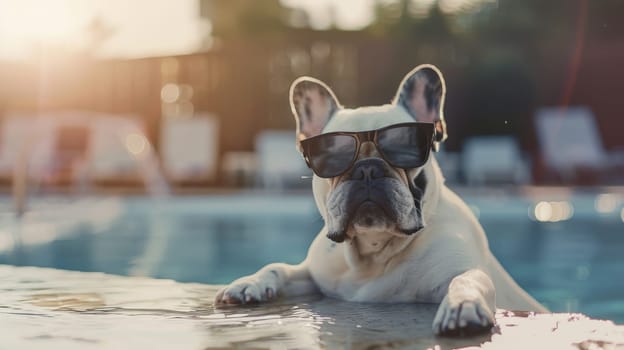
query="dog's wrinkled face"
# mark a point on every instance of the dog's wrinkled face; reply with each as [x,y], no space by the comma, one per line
[372,197]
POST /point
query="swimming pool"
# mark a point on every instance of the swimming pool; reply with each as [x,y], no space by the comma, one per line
[574,264]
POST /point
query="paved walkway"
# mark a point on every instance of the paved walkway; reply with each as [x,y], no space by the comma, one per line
[54,309]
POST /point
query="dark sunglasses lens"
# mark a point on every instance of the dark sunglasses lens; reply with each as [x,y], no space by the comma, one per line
[330,155]
[405,146]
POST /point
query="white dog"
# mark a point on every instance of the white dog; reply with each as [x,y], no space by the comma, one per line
[393,231]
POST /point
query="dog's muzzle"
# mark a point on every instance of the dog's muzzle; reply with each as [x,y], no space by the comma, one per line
[370,196]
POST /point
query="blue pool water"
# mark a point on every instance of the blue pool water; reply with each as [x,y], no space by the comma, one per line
[572,265]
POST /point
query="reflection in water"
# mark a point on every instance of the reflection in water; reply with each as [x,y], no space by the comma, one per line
[67,301]
[323,322]
[567,265]
[76,310]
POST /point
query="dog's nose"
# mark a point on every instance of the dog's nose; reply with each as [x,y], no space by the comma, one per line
[368,169]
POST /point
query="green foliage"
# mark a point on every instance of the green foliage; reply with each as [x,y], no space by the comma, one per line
[246,19]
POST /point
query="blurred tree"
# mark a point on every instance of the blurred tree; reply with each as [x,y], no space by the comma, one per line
[98,31]
[502,58]
[403,19]
[244,18]
[528,23]
[605,19]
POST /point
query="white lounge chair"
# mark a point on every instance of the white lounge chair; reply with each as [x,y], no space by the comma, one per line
[189,148]
[569,141]
[279,163]
[494,159]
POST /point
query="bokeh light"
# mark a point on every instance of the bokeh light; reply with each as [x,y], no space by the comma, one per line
[606,203]
[555,211]
[136,143]
[170,93]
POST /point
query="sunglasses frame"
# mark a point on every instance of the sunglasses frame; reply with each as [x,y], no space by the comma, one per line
[370,136]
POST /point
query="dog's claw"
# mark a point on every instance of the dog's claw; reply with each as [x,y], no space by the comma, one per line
[465,318]
[245,291]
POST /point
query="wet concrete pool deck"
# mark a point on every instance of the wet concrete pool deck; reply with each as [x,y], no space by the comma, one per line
[55,309]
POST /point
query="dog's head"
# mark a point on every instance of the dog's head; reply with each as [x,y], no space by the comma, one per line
[367,194]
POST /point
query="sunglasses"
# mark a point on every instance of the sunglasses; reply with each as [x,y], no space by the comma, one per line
[405,145]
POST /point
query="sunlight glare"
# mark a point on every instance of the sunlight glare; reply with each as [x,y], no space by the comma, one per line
[43,22]
[131,28]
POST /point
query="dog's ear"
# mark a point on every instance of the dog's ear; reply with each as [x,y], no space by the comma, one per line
[421,93]
[313,103]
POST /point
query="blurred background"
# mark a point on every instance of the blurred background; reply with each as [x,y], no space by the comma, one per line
[154,137]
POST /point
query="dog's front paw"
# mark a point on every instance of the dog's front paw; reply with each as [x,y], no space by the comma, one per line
[246,290]
[460,318]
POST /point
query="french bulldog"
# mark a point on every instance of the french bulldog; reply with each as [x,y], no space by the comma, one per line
[394,232]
